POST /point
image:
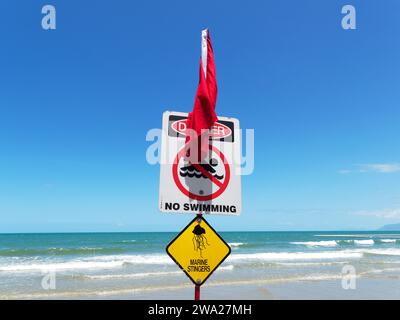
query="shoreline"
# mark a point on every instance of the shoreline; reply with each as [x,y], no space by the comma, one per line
[371,287]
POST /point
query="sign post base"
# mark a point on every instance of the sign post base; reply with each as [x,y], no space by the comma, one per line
[197,293]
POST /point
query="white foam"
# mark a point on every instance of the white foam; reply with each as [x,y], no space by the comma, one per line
[279,256]
[132,275]
[145,274]
[304,264]
[227,268]
[318,277]
[388,240]
[99,262]
[370,235]
[120,261]
[364,242]
[382,270]
[386,252]
[61,266]
[331,243]
[236,244]
[136,259]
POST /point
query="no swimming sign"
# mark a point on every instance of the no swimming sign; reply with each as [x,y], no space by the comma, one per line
[212,186]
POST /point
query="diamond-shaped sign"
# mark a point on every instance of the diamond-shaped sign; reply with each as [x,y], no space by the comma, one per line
[198,250]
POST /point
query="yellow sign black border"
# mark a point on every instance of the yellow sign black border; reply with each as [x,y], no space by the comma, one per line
[183,230]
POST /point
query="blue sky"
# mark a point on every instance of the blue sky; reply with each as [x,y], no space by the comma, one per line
[76,104]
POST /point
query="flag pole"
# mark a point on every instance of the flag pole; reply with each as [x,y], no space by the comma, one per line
[197,287]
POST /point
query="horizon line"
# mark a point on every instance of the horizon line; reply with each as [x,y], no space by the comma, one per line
[174,231]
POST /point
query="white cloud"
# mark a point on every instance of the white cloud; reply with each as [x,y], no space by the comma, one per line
[381,167]
[384,213]
[374,167]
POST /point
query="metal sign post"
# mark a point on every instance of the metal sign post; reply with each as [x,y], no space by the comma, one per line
[197,287]
[197,293]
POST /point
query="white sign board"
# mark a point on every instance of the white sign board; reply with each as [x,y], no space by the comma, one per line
[212,187]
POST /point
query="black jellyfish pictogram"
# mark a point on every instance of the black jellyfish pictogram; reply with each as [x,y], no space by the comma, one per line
[199,239]
[190,171]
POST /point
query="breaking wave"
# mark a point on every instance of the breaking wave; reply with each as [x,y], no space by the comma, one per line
[331,243]
[344,242]
[59,251]
[236,244]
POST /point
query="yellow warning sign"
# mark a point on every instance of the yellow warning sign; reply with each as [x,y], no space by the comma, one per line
[198,250]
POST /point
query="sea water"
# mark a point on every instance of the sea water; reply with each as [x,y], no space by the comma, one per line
[86,265]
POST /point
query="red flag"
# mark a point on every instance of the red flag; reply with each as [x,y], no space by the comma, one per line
[203,116]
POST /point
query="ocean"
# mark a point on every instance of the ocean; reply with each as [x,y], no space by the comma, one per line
[135,265]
